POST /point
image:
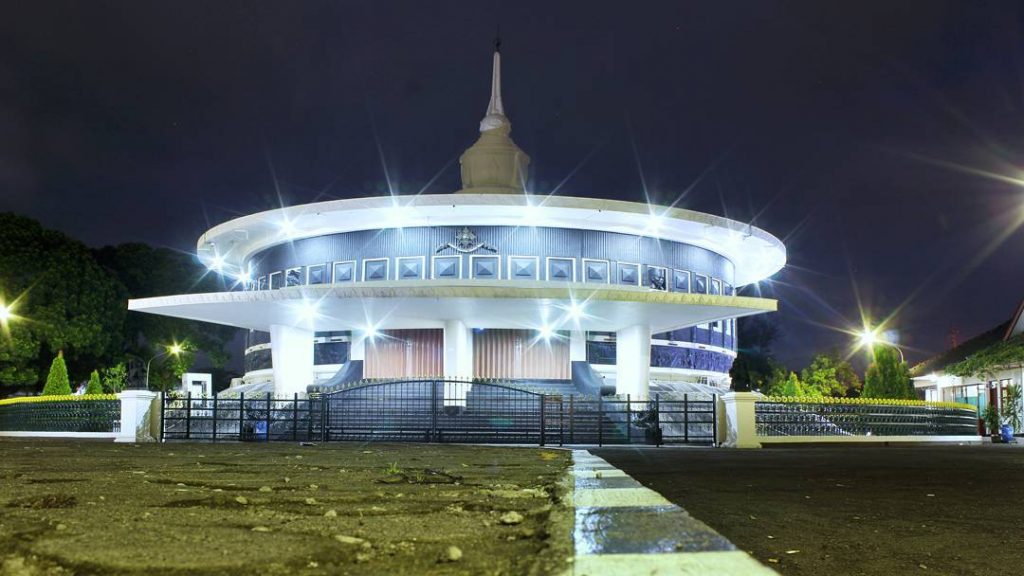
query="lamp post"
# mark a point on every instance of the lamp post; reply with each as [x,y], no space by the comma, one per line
[869,339]
[173,350]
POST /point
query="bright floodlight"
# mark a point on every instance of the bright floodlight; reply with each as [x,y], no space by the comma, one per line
[5,313]
[654,223]
[370,331]
[575,310]
[398,216]
[308,310]
[546,332]
[217,264]
[530,213]
[287,228]
[868,338]
[174,349]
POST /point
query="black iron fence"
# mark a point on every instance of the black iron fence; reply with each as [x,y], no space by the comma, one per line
[441,411]
[837,419]
[61,416]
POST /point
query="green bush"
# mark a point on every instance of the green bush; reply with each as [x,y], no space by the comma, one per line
[57,383]
[94,386]
[114,378]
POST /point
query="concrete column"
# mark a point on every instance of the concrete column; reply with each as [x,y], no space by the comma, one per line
[577,346]
[740,427]
[140,415]
[633,361]
[458,350]
[357,346]
[292,352]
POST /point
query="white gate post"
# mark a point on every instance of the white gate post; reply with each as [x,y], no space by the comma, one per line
[139,408]
[740,424]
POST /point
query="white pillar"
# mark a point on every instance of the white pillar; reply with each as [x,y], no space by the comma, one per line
[357,346]
[739,421]
[577,346]
[292,352]
[140,413]
[458,350]
[633,361]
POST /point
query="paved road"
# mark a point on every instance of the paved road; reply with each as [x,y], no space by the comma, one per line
[870,510]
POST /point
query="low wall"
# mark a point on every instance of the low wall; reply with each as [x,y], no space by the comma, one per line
[751,420]
[94,416]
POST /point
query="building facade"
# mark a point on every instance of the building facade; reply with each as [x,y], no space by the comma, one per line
[487,282]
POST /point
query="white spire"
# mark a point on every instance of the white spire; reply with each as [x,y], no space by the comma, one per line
[495,117]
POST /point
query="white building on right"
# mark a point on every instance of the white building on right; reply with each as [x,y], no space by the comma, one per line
[932,379]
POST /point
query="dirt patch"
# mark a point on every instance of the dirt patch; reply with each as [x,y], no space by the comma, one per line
[177,509]
[873,511]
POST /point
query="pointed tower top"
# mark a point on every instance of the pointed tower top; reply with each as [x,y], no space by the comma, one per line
[494,164]
[495,117]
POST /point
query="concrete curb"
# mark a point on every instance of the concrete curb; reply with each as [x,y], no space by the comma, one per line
[626,529]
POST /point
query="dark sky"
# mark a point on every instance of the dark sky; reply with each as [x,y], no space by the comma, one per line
[857,132]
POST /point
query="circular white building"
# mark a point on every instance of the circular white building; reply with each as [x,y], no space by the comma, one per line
[491,281]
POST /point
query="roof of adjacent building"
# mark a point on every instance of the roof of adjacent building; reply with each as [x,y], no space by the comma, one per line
[1000,333]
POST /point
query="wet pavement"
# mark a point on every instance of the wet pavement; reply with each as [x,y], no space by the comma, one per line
[621,527]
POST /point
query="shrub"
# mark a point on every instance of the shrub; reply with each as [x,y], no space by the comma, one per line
[114,378]
[57,383]
[94,386]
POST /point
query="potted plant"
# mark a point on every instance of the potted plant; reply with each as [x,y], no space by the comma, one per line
[1011,412]
[990,416]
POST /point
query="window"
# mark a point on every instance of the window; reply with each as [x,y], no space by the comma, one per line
[446,267]
[523,267]
[561,269]
[293,277]
[656,278]
[700,284]
[375,269]
[276,280]
[629,273]
[716,287]
[315,274]
[261,284]
[485,267]
[409,268]
[680,281]
[595,271]
[345,271]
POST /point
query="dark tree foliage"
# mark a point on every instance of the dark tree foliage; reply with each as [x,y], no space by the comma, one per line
[63,301]
[146,271]
[72,299]
[887,376]
[755,365]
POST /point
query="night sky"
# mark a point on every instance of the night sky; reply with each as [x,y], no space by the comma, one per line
[880,141]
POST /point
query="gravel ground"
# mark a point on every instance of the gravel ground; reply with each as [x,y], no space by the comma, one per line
[870,510]
[173,509]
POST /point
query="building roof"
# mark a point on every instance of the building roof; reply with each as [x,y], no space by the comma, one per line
[977,344]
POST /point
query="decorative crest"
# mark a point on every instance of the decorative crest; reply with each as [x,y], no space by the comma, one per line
[466,243]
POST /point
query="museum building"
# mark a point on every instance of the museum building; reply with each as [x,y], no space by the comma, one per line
[489,282]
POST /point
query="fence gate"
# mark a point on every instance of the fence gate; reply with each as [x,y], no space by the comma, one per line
[435,411]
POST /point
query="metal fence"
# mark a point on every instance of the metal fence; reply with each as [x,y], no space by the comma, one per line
[261,417]
[828,419]
[441,411]
[61,416]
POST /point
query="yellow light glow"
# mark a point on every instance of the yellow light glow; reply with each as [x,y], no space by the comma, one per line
[5,313]
[174,349]
[868,338]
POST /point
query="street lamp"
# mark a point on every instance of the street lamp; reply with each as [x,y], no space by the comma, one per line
[5,313]
[173,349]
[868,339]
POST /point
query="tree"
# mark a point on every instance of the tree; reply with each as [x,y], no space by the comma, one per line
[754,364]
[114,378]
[146,271]
[65,302]
[830,375]
[94,386]
[887,376]
[57,383]
[792,386]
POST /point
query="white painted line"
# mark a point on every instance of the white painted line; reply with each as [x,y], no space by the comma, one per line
[593,474]
[732,563]
[617,497]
